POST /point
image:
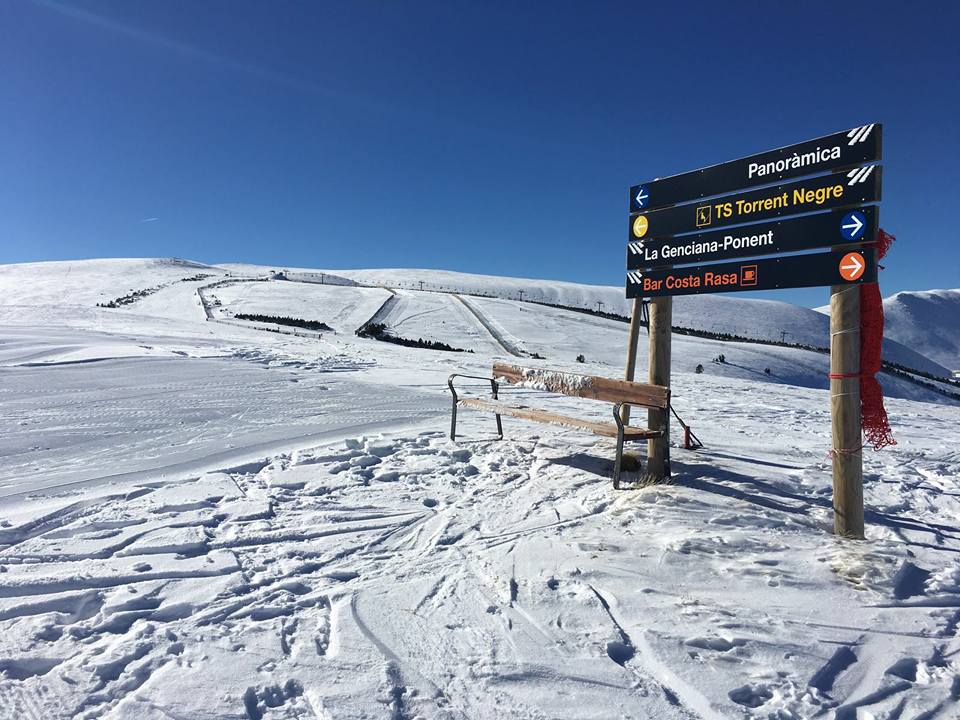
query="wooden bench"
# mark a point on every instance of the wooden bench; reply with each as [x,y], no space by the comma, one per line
[618,392]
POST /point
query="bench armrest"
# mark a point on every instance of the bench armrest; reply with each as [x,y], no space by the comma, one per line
[619,405]
[453,391]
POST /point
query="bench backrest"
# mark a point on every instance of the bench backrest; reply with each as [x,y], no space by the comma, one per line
[584,386]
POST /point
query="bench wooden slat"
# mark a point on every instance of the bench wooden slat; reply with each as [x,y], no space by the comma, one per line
[584,386]
[598,428]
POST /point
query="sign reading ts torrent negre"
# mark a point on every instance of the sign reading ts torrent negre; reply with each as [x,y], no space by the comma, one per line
[841,150]
[861,185]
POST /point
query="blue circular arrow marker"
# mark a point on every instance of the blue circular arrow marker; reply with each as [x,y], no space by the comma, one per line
[642,196]
[853,224]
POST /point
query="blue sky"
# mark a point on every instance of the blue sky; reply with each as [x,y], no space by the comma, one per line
[483,136]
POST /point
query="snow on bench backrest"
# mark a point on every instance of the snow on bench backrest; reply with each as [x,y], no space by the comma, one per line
[584,386]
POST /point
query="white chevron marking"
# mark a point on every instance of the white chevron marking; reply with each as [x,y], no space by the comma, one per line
[860,175]
[858,135]
[856,175]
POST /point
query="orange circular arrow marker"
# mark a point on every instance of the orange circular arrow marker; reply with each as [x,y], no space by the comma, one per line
[852,266]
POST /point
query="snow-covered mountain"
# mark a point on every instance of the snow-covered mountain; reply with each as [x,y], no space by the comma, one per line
[745,317]
[927,321]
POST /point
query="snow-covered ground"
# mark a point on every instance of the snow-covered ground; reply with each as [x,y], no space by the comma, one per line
[203,519]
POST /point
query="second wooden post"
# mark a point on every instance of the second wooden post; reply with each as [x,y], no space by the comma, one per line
[661,320]
[632,340]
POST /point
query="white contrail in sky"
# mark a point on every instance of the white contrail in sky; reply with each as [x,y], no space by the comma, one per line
[183,48]
[363,103]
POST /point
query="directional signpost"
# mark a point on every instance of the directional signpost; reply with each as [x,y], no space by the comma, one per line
[779,273]
[766,238]
[812,195]
[841,150]
[801,196]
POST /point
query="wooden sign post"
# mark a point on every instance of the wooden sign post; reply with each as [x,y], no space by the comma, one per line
[845,411]
[820,193]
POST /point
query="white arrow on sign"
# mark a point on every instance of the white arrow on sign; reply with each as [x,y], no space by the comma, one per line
[855,266]
[641,197]
[635,248]
[855,225]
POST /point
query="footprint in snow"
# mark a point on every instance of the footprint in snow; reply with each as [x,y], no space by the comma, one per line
[620,651]
[365,461]
[342,575]
[751,696]
[258,700]
[905,669]
[715,643]
[910,580]
[381,450]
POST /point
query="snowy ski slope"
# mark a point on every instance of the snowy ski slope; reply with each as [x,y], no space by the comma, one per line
[205,519]
[342,308]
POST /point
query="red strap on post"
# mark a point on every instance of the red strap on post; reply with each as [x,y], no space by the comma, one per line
[876,426]
[873,415]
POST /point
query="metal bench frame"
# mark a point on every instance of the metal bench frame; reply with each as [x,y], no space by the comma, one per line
[494,386]
[664,429]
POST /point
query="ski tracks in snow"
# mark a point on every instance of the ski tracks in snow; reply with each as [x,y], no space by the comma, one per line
[410,577]
[506,341]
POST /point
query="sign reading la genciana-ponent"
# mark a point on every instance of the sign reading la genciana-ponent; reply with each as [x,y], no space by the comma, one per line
[740,209]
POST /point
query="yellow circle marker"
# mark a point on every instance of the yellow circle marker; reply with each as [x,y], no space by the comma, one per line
[640,226]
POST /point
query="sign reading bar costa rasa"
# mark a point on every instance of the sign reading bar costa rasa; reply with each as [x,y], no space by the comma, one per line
[844,149]
[791,271]
[861,185]
[841,227]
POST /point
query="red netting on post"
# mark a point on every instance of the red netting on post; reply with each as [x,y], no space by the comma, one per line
[876,426]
